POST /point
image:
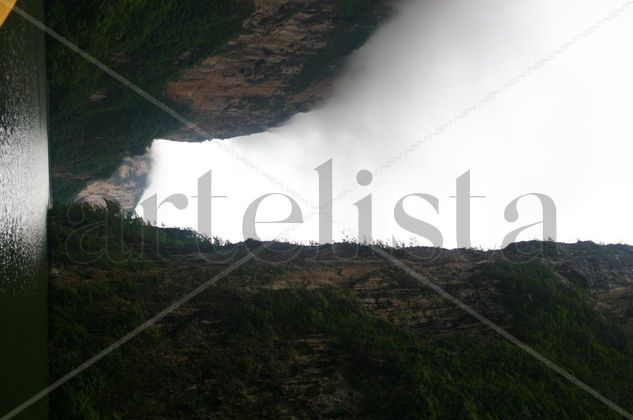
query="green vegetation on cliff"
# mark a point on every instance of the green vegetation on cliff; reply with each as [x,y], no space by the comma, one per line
[238,349]
[107,236]
[95,120]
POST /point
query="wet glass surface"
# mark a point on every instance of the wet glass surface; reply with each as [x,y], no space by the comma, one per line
[24,195]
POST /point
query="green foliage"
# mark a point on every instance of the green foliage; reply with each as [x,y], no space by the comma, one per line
[400,372]
[84,319]
[562,322]
[406,374]
[107,236]
[148,43]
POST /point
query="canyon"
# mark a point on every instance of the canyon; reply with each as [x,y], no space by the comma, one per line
[304,371]
[283,60]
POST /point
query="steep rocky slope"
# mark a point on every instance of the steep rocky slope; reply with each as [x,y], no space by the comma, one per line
[282,63]
[323,332]
[231,67]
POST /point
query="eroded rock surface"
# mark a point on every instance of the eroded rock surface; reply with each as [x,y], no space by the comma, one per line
[125,186]
[282,63]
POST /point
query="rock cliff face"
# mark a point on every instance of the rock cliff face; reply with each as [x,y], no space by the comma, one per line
[283,62]
[605,272]
[311,376]
[125,186]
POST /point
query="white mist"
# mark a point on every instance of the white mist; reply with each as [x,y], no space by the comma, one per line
[563,130]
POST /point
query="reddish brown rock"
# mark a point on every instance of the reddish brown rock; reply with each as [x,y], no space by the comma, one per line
[284,62]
